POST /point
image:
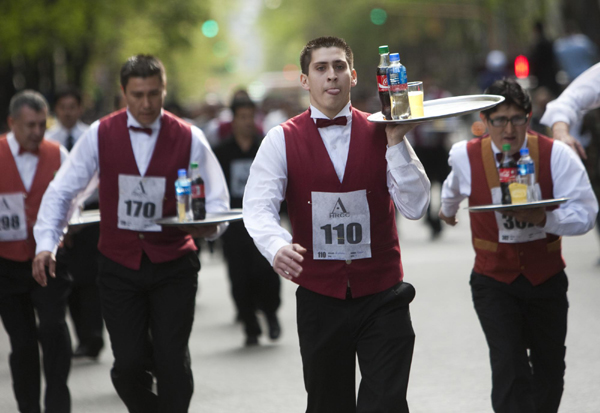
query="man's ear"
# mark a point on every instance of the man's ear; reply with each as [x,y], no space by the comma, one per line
[304,81]
[354,78]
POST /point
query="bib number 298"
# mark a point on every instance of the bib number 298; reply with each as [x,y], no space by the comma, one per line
[351,233]
[134,208]
[9,222]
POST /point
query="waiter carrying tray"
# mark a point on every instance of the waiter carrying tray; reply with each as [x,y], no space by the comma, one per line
[518,282]
[148,275]
[341,176]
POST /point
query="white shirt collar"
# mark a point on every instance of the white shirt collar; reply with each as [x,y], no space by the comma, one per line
[131,121]
[317,114]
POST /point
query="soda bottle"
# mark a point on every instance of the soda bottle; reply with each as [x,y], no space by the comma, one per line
[183,191]
[397,81]
[198,197]
[382,82]
[508,174]
[526,175]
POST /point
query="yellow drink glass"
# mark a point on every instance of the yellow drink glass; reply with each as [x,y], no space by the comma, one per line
[415,99]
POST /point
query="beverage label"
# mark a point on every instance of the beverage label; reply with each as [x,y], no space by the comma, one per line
[526,168]
[397,79]
[382,83]
[198,191]
[508,175]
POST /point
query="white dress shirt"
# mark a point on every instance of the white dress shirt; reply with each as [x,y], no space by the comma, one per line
[27,162]
[58,133]
[582,95]
[83,165]
[406,180]
[569,180]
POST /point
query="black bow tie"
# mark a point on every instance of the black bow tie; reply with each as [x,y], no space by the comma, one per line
[516,156]
[323,123]
[147,131]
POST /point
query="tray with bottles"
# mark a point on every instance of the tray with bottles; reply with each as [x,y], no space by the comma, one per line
[446,108]
[513,207]
[85,218]
[235,214]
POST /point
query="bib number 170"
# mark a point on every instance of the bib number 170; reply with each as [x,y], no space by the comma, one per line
[134,208]
[351,233]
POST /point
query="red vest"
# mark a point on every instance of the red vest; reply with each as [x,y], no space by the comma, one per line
[115,153]
[310,169]
[10,181]
[537,260]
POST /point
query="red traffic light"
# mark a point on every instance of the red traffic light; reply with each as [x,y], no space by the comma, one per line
[521,67]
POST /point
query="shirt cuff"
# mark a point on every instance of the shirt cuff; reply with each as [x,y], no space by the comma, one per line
[449,210]
[398,155]
[46,245]
[275,246]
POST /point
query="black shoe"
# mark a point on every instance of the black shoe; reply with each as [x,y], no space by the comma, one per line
[274,327]
[251,341]
[85,351]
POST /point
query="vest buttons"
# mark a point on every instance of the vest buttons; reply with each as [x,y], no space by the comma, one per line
[522,267]
[141,236]
[521,253]
[348,261]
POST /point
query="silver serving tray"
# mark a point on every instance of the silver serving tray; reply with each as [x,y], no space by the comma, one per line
[88,217]
[514,207]
[446,108]
[211,219]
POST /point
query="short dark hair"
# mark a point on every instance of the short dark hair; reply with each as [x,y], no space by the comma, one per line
[68,91]
[241,103]
[30,98]
[142,65]
[320,42]
[513,94]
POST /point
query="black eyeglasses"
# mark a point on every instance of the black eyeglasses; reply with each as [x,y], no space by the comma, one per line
[503,121]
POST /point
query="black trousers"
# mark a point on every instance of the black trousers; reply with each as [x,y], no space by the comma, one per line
[20,299]
[84,300]
[254,284]
[333,332]
[149,315]
[525,328]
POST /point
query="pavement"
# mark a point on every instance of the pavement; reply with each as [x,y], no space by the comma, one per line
[450,371]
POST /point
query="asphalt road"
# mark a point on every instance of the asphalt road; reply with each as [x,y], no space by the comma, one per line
[450,371]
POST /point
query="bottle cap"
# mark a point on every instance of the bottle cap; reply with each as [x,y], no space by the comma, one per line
[384,49]
[524,152]
[194,165]
[182,173]
[394,57]
[506,147]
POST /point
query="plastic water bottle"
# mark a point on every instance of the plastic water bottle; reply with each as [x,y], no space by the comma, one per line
[398,84]
[526,174]
[198,197]
[183,191]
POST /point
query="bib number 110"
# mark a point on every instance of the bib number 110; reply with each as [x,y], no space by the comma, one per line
[352,233]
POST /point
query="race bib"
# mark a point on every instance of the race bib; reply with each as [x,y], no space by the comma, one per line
[240,171]
[140,202]
[511,231]
[341,225]
[13,224]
